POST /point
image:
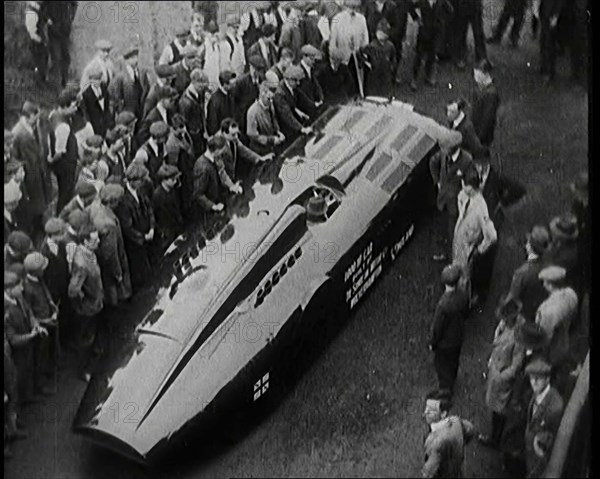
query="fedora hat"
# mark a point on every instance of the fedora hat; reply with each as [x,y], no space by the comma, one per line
[316,209]
[531,336]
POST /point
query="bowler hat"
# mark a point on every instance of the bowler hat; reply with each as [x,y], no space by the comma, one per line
[531,335]
[85,190]
[159,129]
[257,62]
[167,171]
[450,274]
[19,242]
[316,209]
[539,239]
[538,367]
[508,309]
[35,262]
[12,192]
[564,227]
[552,274]
[103,45]
[54,226]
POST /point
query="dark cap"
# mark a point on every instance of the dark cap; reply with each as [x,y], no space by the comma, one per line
[564,227]
[531,335]
[19,242]
[125,118]
[538,367]
[451,274]
[539,239]
[167,171]
[85,190]
[164,71]
[257,62]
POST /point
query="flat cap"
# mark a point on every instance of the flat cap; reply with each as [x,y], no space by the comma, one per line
[159,129]
[136,171]
[257,62]
[450,274]
[125,118]
[103,45]
[539,239]
[564,227]
[538,367]
[531,335]
[84,189]
[114,134]
[95,72]
[189,51]
[35,262]
[166,92]
[12,192]
[164,71]
[182,31]
[293,72]
[384,26]
[131,51]
[111,192]
[11,279]
[19,242]
[552,274]
[268,29]
[310,51]
[66,97]
[77,219]
[94,142]
[54,226]
[167,171]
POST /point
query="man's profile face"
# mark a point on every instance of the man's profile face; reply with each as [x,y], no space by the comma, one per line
[233,133]
[538,383]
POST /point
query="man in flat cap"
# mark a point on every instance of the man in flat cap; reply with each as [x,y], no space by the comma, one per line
[112,162]
[163,111]
[265,45]
[263,132]
[220,105]
[245,89]
[447,328]
[85,193]
[130,122]
[446,439]
[28,150]
[136,216]
[183,69]
[165,74]
[96,102]
[12,196]
[129,88]
[555,315]
[87,170]
[167,207]
[543,417]
[526,286]
[275,73]
[102,62]
[153,152]
[173,52]
[291,106]
[379,61]
[309,85]
[210,179]
[191,106]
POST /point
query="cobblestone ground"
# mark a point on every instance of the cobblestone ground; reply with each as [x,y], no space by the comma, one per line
[357,410]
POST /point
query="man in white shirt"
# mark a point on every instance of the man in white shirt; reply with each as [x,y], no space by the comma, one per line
[348,34]
[101,60]
[172,53]
[232,50]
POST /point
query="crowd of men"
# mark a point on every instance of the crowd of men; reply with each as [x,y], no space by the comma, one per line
[160,153]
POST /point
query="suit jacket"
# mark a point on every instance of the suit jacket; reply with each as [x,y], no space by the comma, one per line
[434,21]
[285,103]
[230,155]
[448,321]
[244,93]
[291,37]
[389,13]
[192,109]
[311,35]
[271,57]
[38,297]
[144,129]
[207,185]
[167,212]
[528,288]
[449,175]
[543,424]
[470,140]
[56,274]
[101,119]
[445,448]
[310,85]
[129,95]
[72,205]
[28,150]
[335,84]
[484,113]
[86,278]
[220,106]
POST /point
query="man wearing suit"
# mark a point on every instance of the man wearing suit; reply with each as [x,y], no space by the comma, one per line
[335,79]
[309,85]
[137,222]
[549,13]
[27,149]
[286,58]
[153,153]
[172,53]
[184,68]
[263,130]
[447,329]
[245,89]
[447,168]
[129,88]
[265,46]
[163,111]
[220,105]
[209,173]
[291,106]
[100,62]
[378,10]
[191,107]
[167,207]
[445,443]
[543,417]
[164,77]
[458,120]
[12,197]
[526,286]
[96,103]
[85,194]
[485,103]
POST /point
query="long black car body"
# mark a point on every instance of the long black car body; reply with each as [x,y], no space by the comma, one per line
[228,304]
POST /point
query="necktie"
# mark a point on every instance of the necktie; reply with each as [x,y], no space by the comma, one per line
[136,76]
[161,152]
[466,207]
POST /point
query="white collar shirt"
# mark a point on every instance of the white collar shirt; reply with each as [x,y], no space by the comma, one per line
[459,119]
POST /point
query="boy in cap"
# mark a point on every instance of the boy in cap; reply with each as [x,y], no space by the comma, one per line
[448,327]
[245,88]
[88,164]
[210,178]
[167,207]
[543,417]
[309,85]
[100,61]
[180,153]
[12,196]
[163,112]
[129,121]
[17,246]
[96,103]
[172,53]
[379,58]
[85,193]
[526,286]
[448,435]
[291,106]
[153,151]
[136,216]
[129,88]
[220,105]
[191,106]
[182,70]
[164,77]
[44,310]
[112,163]
[265,46]
[263,132]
